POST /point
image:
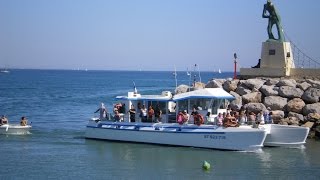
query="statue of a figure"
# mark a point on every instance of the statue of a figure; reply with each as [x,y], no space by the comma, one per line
[274,18]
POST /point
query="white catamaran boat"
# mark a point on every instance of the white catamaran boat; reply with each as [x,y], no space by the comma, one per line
[14,129]
[168,132]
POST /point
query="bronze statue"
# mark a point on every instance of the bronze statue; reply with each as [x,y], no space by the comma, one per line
[274,18]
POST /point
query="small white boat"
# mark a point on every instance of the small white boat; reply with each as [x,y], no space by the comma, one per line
[14,129]
[168,132]
[4,71]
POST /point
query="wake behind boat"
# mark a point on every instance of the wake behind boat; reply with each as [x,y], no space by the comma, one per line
[168,132]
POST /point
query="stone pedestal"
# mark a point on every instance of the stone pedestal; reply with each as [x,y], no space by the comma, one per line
[276,61]
[277,55]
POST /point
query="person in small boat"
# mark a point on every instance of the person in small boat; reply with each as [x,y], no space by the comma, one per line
[150,113]
[23,121]
[132,113]
[103,112]
[3,120]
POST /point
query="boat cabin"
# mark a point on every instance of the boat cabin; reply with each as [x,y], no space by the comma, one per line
[208,102]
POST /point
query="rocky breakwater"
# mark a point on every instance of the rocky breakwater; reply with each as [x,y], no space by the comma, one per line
[292,102]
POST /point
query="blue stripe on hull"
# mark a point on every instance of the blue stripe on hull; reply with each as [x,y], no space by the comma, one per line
[159,131]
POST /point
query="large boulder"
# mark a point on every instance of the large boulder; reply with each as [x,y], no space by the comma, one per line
[295,105]
[199,85]
[269,90]
[238,100]
[311,108]
[254,97]
[253,83]
[314,117]
[275,102]
[290,92]
[215,83]
[181,89]
[255,107]
[290,121]
[312,95]
[277,115]
[287,82]
[303,86]
[315,84]
[298,116]
[242,90]
[230,85]
[271,82]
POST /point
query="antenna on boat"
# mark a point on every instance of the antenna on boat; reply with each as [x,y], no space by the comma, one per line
[189,74]
[199,73]
[194,76]
[135,88]
[175,75]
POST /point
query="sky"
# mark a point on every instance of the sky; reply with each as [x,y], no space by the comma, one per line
[156,35]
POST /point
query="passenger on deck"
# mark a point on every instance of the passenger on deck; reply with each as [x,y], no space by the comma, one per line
[266,114]
[103,112]
[185,116]
[260,118]
[117,116]
[242,118]
[143,113]
[198,118]
[132,113]
[251,118]
[229,121]
[219,119]
[157,114]
[23,121]
[180,118]
[207,119]
[150,113]
[122,108]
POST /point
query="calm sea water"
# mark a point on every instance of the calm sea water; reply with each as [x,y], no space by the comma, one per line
[59,103]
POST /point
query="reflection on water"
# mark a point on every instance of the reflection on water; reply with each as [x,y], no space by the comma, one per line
[186,162]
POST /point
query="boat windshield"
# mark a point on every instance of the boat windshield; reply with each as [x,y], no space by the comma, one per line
[211,105]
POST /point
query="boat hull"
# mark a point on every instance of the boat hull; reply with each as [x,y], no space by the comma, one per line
[285,136]
[173,134]
[15,129]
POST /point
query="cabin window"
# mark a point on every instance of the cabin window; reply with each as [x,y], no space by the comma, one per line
[201,104]
[183,105]
[217,104]
[162,105]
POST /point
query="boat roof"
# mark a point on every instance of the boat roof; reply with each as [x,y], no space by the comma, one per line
[145,98]
[207,93]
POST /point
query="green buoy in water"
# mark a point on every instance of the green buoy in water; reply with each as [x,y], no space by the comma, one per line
[205,165]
